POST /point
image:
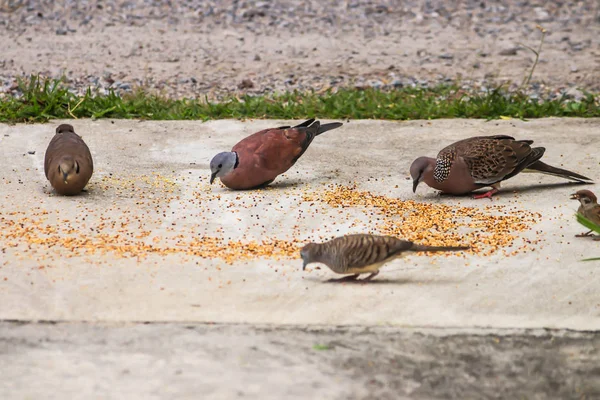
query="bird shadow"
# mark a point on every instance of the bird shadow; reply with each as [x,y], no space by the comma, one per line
[517,189]
[85,193]
[290,183]
[382,281]
[543,186]
[284,184]
[92,192]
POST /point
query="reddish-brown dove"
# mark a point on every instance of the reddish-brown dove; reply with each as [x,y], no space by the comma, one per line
[362,253]
[68,162]
[477,162]
[258,159]
[589,208]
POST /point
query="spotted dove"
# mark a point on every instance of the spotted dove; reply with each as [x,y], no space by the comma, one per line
[477,162]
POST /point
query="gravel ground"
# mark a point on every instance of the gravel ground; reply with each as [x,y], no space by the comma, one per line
[153,361]
[211,48]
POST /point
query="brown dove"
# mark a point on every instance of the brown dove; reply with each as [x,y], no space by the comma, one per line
[259,158]
[362,253]
[477,162]
[589,208]
[68,163]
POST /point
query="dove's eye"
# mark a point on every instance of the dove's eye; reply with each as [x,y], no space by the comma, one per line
[77,167]
[220,165]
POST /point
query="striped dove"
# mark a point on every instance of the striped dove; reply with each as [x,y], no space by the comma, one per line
[481,161]
[362,253]
[68,162]
[259,158]
[589,208]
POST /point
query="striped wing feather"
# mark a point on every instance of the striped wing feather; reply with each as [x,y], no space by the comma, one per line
[356,251]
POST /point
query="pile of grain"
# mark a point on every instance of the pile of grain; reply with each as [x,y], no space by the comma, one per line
[139,216]
[487,229]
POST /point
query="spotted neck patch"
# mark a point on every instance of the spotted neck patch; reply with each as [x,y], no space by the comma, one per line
[442,167]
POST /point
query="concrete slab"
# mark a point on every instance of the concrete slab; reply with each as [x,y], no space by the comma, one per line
[186,361]
[135,247]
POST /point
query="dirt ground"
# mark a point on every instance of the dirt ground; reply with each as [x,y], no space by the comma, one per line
[210,48]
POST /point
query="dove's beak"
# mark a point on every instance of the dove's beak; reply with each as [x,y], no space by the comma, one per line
[574,196]
[212,177]
[415,184]
[65,176]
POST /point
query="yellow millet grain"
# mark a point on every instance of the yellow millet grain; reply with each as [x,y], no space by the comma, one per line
[486,229]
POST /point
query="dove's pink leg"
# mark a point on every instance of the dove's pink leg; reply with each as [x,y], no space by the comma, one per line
[486,195]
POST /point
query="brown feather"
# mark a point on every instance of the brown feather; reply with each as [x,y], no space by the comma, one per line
[592,213]
[492,159]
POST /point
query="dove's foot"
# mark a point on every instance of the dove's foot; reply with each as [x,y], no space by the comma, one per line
[486,195]
[371,276]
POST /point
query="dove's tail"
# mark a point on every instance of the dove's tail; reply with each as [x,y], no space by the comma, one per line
[420,247]
[326,127]
[315,127]
[544,168]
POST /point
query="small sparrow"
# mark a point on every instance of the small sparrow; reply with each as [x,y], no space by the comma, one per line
[589,208]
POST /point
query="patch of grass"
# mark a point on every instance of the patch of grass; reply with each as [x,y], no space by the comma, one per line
[49,99]
[321,347]
[592,227]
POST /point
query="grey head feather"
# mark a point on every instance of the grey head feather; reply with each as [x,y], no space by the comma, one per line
[222,164]
[310,253]
[418,169]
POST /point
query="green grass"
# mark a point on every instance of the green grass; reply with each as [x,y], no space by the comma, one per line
[591,226]
[46,99]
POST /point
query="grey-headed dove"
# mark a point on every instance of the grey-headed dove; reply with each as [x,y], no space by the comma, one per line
[589,208]
[259,158]
[68,162]
[477,162]
[362,253]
